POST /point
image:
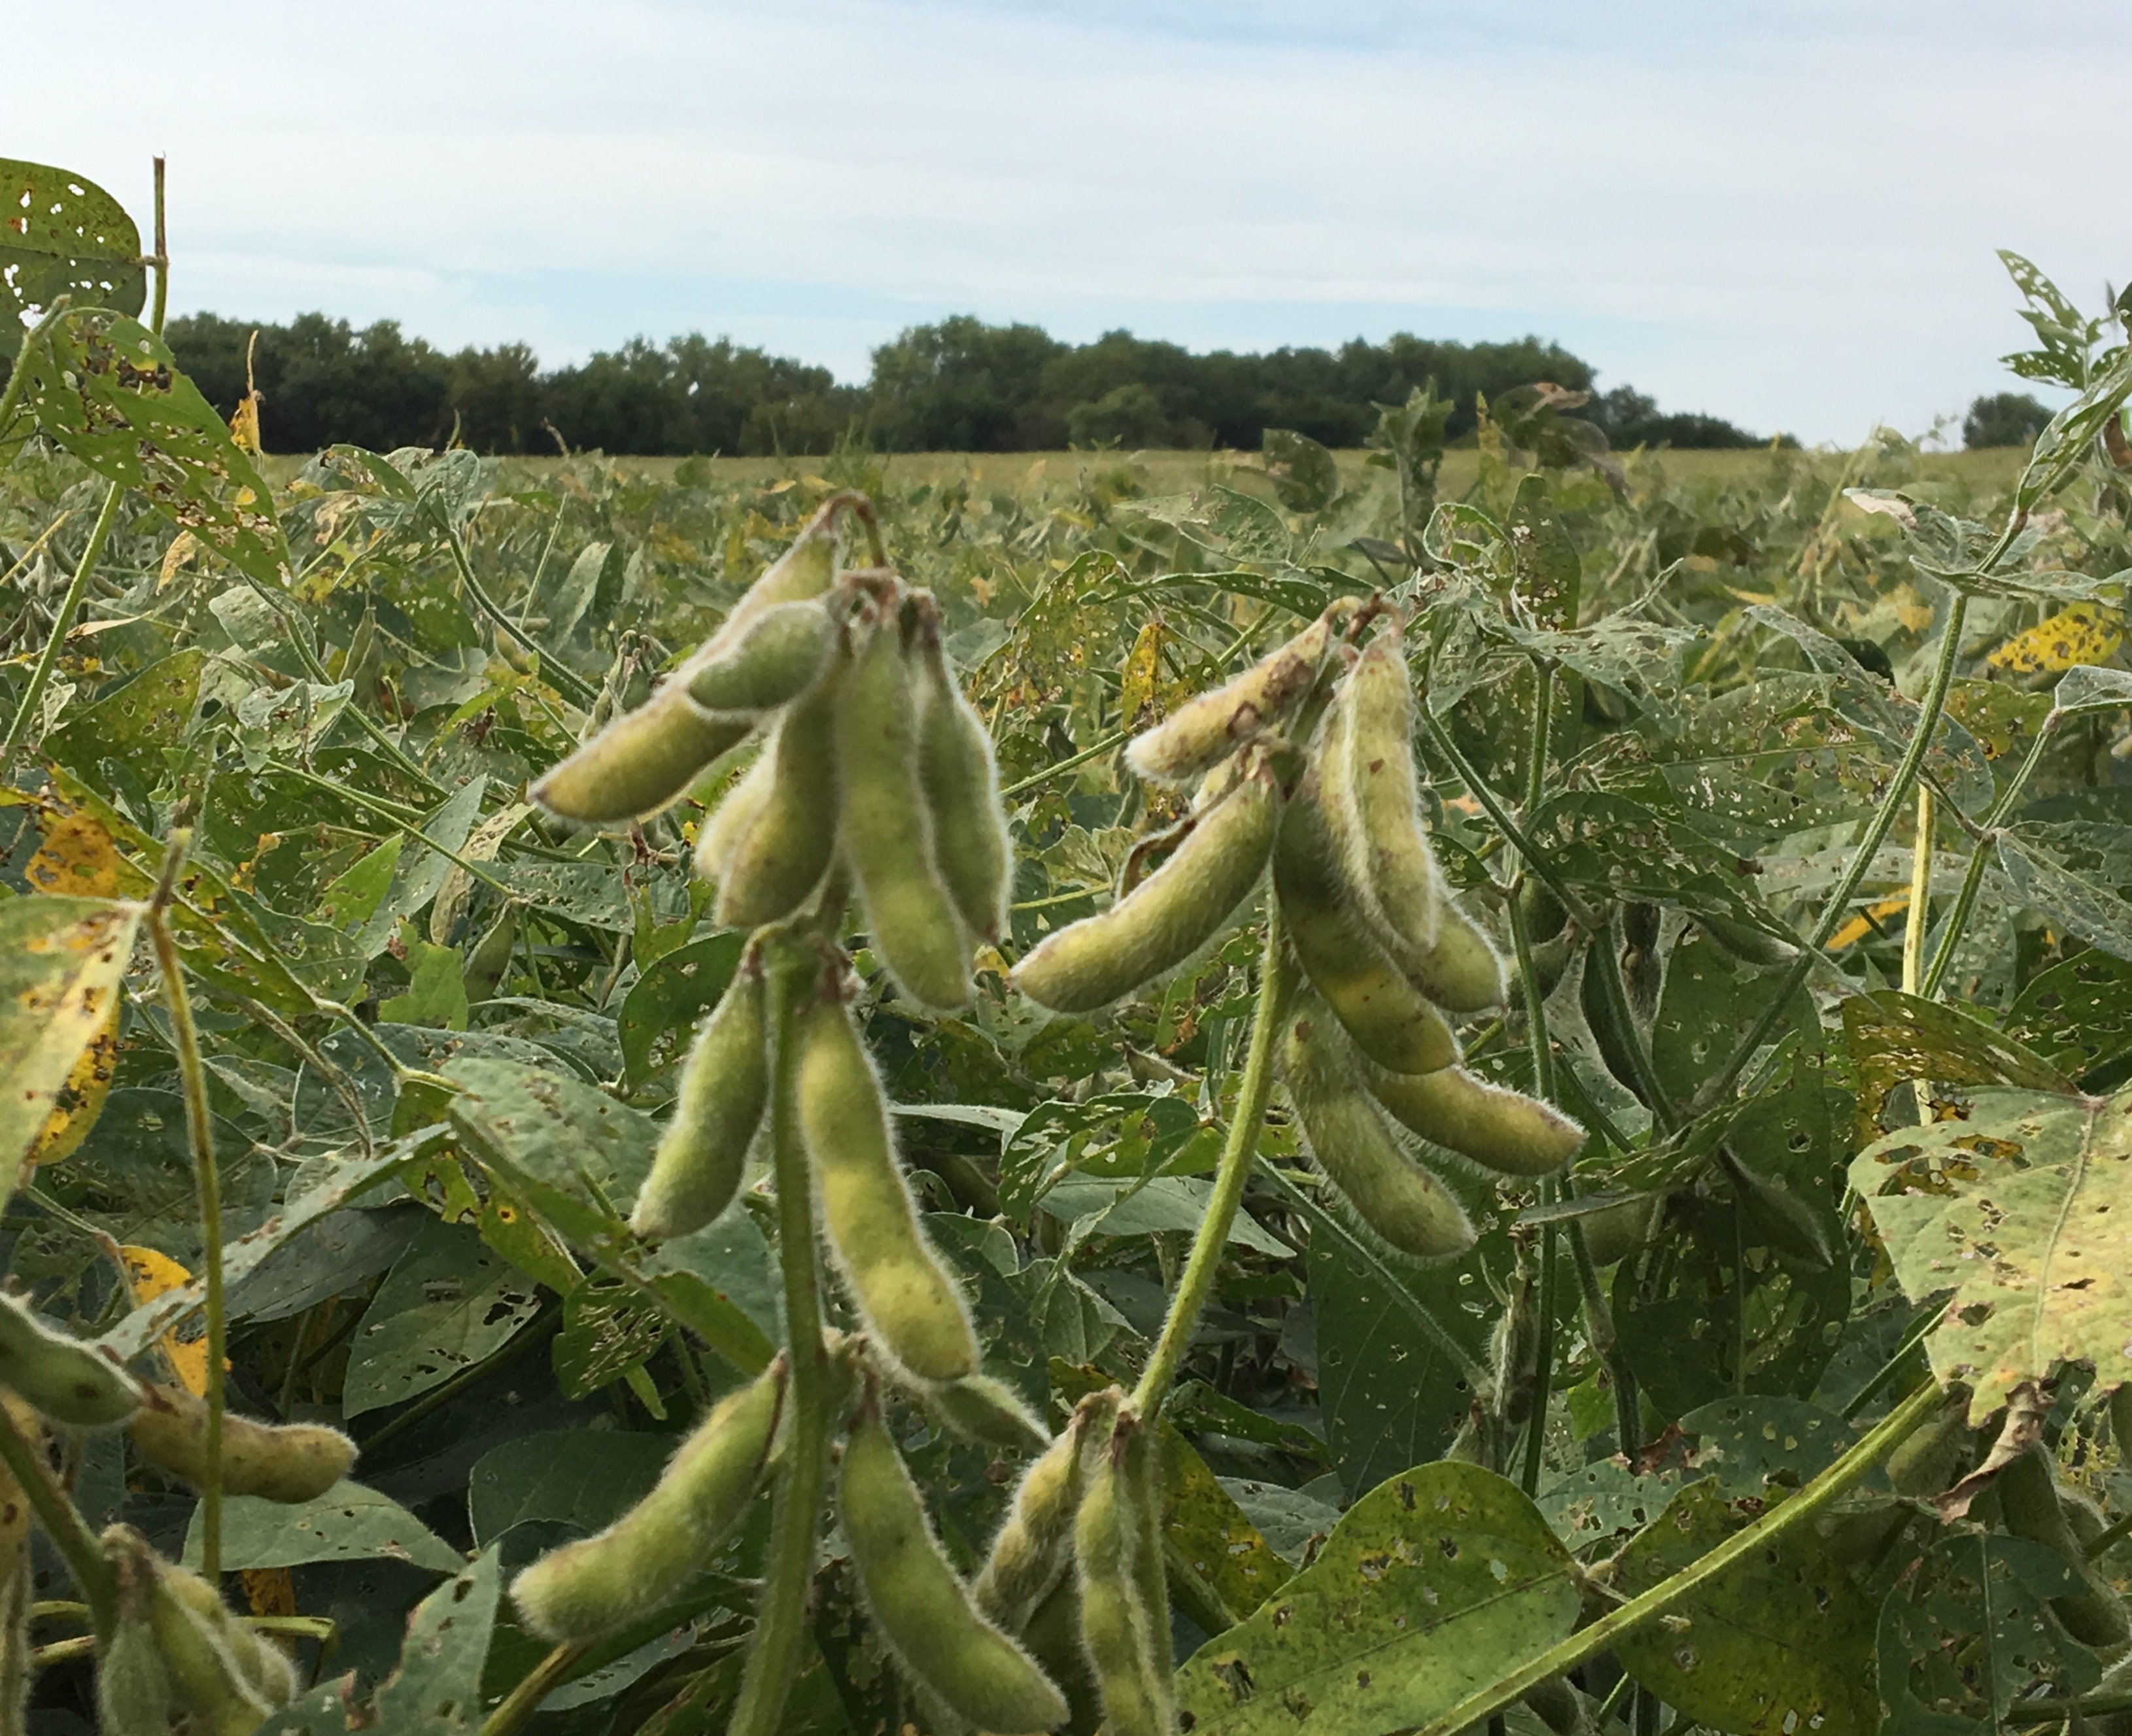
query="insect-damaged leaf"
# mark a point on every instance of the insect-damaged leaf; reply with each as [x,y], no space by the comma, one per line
[106,388]
[62,234]
[436,1691]
[1896,1038]
[61,963]
[2025,1211]
[1435,1584]
[348,1522]
[1781,1641]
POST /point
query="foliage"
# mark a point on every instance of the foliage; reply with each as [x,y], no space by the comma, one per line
[2003,419]
[419,1041]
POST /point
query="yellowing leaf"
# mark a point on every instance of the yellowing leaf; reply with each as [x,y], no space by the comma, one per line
[76,855]
[80,1100]
[2086,632]
[185,546]
[270,1590]
[1140,681]
[151,1274]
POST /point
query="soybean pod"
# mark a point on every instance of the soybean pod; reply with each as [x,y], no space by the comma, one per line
[724,1090]
[788,842]
[1371,790]
[1170,915]
[922,1608]
[1115,1632]
[909,1301]
[980,1408]
[601,1583]
[887,830]
[59,1377]
[287,1461]
[720,838]
[640,762]
[1493,1126]
[1214,724]
[769,660]
[961,779]
[1033,1547]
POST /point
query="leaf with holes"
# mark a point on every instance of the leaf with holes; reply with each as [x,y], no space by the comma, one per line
[2024,1212]
[1433,1585]
[436,1691]
[660,1011]
[1896,1039]
[61,234]
[2077,1015]
[448,1303]
[1781,1641]
[2058,869]
[349,1522]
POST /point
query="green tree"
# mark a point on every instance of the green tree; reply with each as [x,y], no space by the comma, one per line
[2003,419]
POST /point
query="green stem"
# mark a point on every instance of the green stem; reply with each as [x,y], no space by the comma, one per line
[33,696]
[1606,1341]
[1979,859]
[162,259]
[1586,1642]
[199,1128]
[389,812]
[1883,822]
[566,679]
[1605,953]
[1535,863]
[19,376]
[1542,1066]
[2057,1711]
[781,1622]
[522,1701]
[63,1524]
[2107,1540]
[1104,745]
[1276,989]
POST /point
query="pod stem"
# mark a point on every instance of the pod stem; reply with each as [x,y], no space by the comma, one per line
[199,1128]
[1929,707]
[522,1701]
[1239,1152]
[33,695]
[1979,858]
[63,1524]
[780,1623]
[1807,1505]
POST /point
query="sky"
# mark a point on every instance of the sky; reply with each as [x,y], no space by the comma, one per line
[1784,212]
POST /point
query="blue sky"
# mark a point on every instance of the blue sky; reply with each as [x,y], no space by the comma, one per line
[1782,213]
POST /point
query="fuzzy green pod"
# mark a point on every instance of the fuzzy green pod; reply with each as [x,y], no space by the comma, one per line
[223,1675]
[887,828]
[263,1668]
[288,1461]
[1033,1547]
[1390,1019]
[806,568]
[922,1608]
[1117,1635]
[1141,1468]
[720,836]
[1746,943]
[1615,1232]
[59,1377]
[491,957]
[724,1090]
[961,779]
[1489,1125]
[133,1691]
[2028,1503]
[1929,1460]
[1348,1138]
[640,762]
[789,842]
[1371,790]
[909,1303]
[980,1408]
[770,660]
[601,1583]
[1214,724]
[1170,915]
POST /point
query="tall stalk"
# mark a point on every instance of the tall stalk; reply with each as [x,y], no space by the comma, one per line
[1542,1050]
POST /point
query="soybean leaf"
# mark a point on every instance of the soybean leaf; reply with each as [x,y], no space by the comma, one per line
[348,1522]
[1165,1203]
[62,234]
[106,388]
[133,1175]
[2076,896]
[1752,1445]
[2024,1212]
[1207,1534]
[436,1691]
[588,1478]
[1432,1586]
[663,1005]
[1710,1001]
[119,740]
[607,1332]
[1896,1038]
[327,1258]
[2077,1015]
[448,1303]
[1623,849]
[2084,689]
[1782,1641]
[61,961]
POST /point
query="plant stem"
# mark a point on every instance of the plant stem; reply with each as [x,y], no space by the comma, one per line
[1979,859]
[1542,1066]
[566,679]
[1104,743]
[1239,1152]
[1605,953]
[63,1524]
[162,259]
[1824,1491]
[199,1128]
[33,696]
[780,1620]
[1921,867]
[19,376]
[522,1701]
[2057,1711]
[2107,1540]
[1883,822]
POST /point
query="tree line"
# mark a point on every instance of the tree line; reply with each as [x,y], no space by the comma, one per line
[960,384]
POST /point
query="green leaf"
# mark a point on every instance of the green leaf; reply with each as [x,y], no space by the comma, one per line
[1207,1534]
[436,988]
[1628,850]
[1781,1641]
[1710,1002]
[133,1175]
[1753,1444]
[349,1522]
[607,1332]
[106,388]
[2024,1212]
[2085,688]
[119,740]
[1175,1203]
[1896,1038]
[61,961]
[63,235]
[2074,896]
[659,1012]
[448,1303]
[586,1477]
[436,1691]
[1433,1585]
[2077,1015]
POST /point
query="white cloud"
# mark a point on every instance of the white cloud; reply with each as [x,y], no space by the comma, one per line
[1784,212]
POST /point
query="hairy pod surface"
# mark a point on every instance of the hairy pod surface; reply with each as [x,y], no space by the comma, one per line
[727,824]
[788,842]
[1930,1459]
[1348,1138]
[1461,971]
[805,569]
[1117,1635]
[961,778]
[1496,1127]
[771,659]
[1370,798]
[887,828]
[227,1677]
[640,762]
[724,1090]
[1390,1020]
[1615,1232]
[1214,724]
[922,1608]
[1033,1547]
[285,1461]
[59,1377]
[909,1303]
[2028,1503]
[133,1691]
[1140,1466]
[598,1584]
[1170,915]
[980,1408]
